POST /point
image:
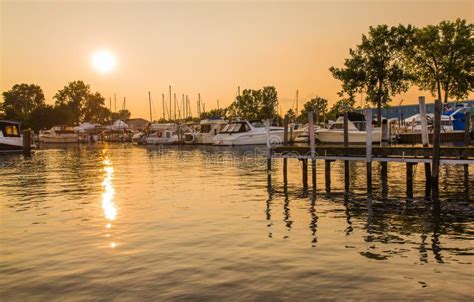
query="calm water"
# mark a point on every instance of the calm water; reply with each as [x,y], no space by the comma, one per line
[120,222]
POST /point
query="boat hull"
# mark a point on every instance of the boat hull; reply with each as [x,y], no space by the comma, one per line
[357,137]
[58,140]
[243,139]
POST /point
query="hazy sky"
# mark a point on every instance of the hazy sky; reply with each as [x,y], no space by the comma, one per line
[197,46]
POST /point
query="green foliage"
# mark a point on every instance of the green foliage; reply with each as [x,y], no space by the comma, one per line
[73,96]
[21,100]
[291,114]
[319,107]
[47,116]
[376,67]
[84,106]
[440,56]
[255,104]
[123,115]
[340,107]
[94,109]
[214,113]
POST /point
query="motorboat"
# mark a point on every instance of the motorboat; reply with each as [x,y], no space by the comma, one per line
[303,136]
[162,134]
[209,128]
[356,131]
[245,133]
[413,123]
[59,134]
[11,138]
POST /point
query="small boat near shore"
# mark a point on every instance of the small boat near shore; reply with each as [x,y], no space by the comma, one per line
[209,128]
[356,131]
[238,133]
[11,139]
[58,134]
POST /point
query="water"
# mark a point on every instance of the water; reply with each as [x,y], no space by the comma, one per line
[120,222]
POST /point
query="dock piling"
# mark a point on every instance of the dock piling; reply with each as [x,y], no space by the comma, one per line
[285,143]
[312,149]
[409,175]
[425,141]
[346,144]
[27,143]
[368,127]
[327,174]
[436,151]
[467,142]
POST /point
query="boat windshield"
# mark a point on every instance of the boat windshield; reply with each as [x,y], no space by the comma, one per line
[236,128]
[10,130]
[206,128]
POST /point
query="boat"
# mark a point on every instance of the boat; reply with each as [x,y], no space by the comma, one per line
[356,130]
[209,128]
[413,123]
[58,134]
[162,134]
[11,138]
[243,132]
[303,136]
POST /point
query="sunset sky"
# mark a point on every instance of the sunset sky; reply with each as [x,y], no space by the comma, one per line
[197,47]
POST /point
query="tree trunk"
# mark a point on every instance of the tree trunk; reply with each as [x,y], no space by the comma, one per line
[445,93]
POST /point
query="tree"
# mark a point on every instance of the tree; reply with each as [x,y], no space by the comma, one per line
[214,113]
[344,104]
[73,96]
[21,100]
[94,109]
[123,115]
[269,103]
[47,116]
[376,66]
[441,58]
[255,104]
[319,107]
[291,114]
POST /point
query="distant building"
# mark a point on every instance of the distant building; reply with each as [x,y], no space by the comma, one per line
[137,123]
[405,111]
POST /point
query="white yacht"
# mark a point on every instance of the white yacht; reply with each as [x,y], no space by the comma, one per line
[413,123]
[246,133]
[209,128]
[10,136]
[58,134]
[162,134]
[356,126]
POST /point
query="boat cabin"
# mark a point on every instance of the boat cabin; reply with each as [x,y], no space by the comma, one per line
[10,129]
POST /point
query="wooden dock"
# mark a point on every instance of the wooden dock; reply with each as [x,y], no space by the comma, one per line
[430,157]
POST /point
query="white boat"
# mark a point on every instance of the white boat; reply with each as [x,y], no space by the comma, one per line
[162,134]
[58,134]
[356,127]
[246,133]
[413,123]
[11,138]
[303,136]
[209,128]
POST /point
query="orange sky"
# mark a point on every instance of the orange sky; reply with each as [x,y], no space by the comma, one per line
[209,48]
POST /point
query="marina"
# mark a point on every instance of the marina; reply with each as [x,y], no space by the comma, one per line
[236,151]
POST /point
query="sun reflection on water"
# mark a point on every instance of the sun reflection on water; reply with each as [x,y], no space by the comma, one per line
[108,204]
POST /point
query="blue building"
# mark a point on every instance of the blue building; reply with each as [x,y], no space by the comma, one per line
[405,111]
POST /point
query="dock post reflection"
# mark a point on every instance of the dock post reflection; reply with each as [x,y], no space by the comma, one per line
[349,227]
[268,210]
[384,177]
[313,225]
[435,242]
[327,174]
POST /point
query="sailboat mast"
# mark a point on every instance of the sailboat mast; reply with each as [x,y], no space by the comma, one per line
[174,106]
[163,103]
[169,109]
[149,102]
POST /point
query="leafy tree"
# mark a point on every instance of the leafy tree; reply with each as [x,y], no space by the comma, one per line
[441,56]
[345,104]
[255,104]
[47,116]
[123,115]
[319,107]
[291,114]
[21,100]
[214,113]
[73,96]
[94,109]
[376,66]
[269,103]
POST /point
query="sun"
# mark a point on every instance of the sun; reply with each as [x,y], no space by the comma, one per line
[103,61]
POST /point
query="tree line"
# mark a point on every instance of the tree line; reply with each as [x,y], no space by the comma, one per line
[387,62]
[75,103]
